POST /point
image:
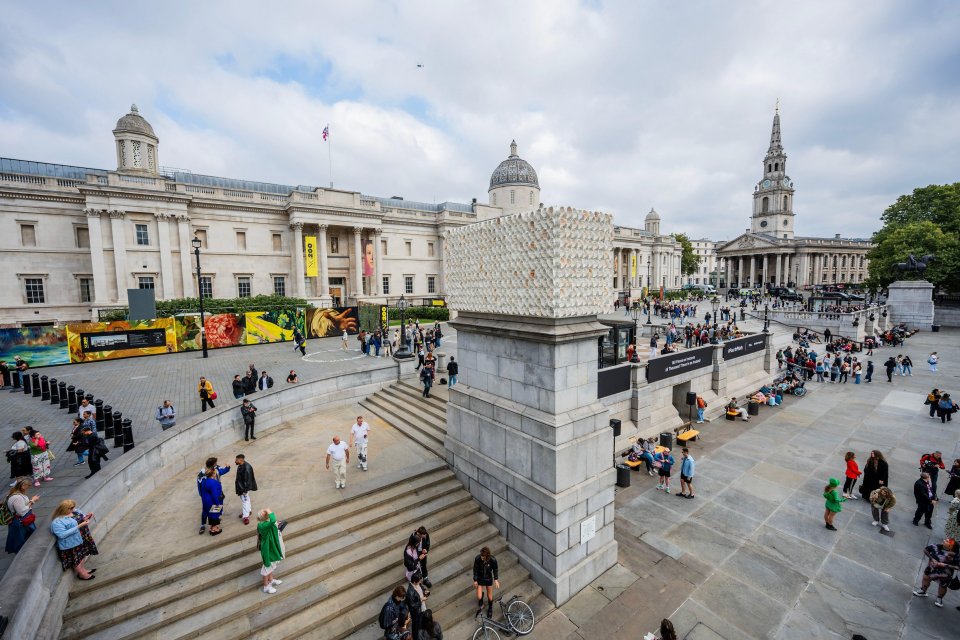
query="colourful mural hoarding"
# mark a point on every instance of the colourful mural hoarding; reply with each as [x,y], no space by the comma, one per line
[223,330]
[39,346]
[273,326]
[94,341]
[326,323]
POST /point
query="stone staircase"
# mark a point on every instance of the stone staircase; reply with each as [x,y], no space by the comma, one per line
[342,561]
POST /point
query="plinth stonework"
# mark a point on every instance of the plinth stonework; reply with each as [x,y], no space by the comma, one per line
[525,431]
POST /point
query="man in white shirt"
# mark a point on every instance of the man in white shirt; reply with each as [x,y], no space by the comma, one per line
[339,452]
[358,437]
[86,405]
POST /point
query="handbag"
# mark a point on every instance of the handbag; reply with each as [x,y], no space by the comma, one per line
[51,455]
[282,525]
[954,584]
[213,395]
[28,518]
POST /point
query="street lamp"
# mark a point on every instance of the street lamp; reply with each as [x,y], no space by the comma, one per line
[649,306]
[635,312]
[716,308]
[766,318]
[196,242]
[404,351]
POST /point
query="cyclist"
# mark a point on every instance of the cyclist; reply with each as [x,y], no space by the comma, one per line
[486,575]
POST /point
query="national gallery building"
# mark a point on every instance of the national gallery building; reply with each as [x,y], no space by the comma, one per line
[74,239]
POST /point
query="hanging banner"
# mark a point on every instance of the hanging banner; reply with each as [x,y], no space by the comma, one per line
[633,265]
[310,254]
[368,258]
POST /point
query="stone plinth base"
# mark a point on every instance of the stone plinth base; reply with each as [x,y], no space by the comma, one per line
[911,302]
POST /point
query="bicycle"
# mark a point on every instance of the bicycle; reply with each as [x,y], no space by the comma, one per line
[516,612]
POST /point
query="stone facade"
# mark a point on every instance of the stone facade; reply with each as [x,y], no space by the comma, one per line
[911,302]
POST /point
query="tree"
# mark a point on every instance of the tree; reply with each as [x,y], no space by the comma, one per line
[688,259]
[924,222]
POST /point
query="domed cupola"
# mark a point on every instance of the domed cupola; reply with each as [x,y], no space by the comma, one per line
[514,186]
[651,223]
[137,144]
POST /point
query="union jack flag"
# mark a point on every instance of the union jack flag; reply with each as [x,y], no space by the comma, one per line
[326,132]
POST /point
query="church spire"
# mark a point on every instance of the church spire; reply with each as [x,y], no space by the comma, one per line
[776,147]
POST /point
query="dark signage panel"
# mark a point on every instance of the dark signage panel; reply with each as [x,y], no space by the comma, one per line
[681,362]
[118,340]
[744,346]
[613,380]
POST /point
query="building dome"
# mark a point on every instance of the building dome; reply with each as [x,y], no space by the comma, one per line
[653,215]
[133,122]
[513,171]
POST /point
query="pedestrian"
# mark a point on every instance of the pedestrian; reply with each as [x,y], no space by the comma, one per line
[339,453]
[292,377]
[423,547]
[39,455]
[22,519]
[953,484]
[265,382]
[851,475]
[22,365]
[907,366]
[270,543]
[358,437]
[933,360]
[166,415]
[218,471]
[834,503]
[211,496]
[926,496]
[248,411]
[952,525]
[76,442]
[88,421]
[486,576]
[249,383]
[932,463]
[96,450]
[701,407]
[653,346]
[666,464]
[412,556]
[687,469]
[237,384]
[299,342]
[394,618]
[429,628]
[876,474]
[945,408]
[86,407]
[74,542]
[882,501]
[666,631]
[421,355]
[941,565]
[344,338]
[844,372]
[416,602]
[819,370]
[453,369]
[857,372]
[933,401]
[890,365]
[244,483]
[207,394]
[426,379]
[869,376]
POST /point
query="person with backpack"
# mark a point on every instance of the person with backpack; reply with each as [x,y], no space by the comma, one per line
[933,400]
[96,449]
[299,342]
[666,464]
[270,544]
[486,576]
[701,407]
[394,617]
[945,407]
[166,415]
[16,513]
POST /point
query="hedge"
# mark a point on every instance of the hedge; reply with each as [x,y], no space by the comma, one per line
[421,313]
[168,308]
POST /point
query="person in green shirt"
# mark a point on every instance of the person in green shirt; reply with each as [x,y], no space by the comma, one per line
[834,503]
[270,543]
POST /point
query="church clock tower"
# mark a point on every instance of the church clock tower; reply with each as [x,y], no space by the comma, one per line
[773,195]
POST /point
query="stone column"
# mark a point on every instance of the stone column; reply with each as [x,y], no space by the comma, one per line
[526,433]
[786,268]
[186,251]
[166,259]
[96,256]
[616,267]
[726,262]
[299,265]
[766,274]
[119,253]
[779,265]
[377,271]
[323,291]
[740,272]
[357,263]
[753,271]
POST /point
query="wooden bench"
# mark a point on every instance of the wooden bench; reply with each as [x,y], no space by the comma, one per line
[742,405]
[688,435]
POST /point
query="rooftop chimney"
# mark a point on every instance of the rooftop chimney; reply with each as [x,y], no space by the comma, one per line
[837,236]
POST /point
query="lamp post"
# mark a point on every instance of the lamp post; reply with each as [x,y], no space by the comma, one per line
[403,352]
[766,318]
[649,306]
[635,312]
[716,308]
[196,242]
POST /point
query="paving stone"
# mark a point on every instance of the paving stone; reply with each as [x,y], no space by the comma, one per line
[773,577]
[614,581]
[741,604]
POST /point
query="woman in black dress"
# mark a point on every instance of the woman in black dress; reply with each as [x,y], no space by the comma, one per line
[486,576]
[954,483]
[875,474]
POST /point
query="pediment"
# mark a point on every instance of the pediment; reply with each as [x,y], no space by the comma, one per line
[747,241]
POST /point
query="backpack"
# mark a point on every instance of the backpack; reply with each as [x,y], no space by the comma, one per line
[6,516]
[387,614]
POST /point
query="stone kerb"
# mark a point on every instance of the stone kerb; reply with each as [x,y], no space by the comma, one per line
[34,590]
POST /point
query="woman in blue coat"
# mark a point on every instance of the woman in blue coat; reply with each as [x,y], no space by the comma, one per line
[211,493]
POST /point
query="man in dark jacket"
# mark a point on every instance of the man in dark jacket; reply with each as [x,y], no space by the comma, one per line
[890,365]
[299,342]
[265,382]
[250,383]
[245,483]
[453,369]
[394,617]
[96,450]
[249,413]
[237,387]
[925,496]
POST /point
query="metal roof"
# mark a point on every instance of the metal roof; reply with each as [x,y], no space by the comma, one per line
[28,167]
[421,206]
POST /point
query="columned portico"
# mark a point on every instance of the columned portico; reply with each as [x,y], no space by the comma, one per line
[96,256]
[166,259]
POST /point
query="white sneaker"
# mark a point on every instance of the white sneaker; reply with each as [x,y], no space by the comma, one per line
[885,527]
[874,523]
[920,594]
[273,582]
[269,590]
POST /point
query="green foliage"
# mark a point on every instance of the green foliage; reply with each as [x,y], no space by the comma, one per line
[924,222]
[688,260]
[421,313]
[168,308]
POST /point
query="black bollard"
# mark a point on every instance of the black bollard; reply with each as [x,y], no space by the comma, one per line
[89,397]
[15,378]
[107,421]
[26,384]
[8,377]
[44,389]
[62,391]
[35,384]
[98,405]
[71,400]
[54,392]
[127,435]
[118,426]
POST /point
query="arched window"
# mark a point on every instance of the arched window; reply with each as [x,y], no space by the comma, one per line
[861,262]
[494,200]
[785,207]
[765,206]
[769,168]
[843,261]
[776,166]
[512,199]
[834,262]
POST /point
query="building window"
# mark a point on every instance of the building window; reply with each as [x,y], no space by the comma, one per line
[512,198]
[408,284]
[785,203]
[143,235]
[431,284]
[145,282]
[86,289]
[206,287]
[243,286]
[277,240]
[383,247]
[201,235]
[83,238]
[408,246]
[334,245]
[241,240]
[279,286]
[429,249]
[34,290]
[386,285]
[28,235]
[765,204]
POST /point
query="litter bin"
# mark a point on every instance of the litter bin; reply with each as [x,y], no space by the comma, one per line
[753,408]
[666,440]
[935,328]
[623,475]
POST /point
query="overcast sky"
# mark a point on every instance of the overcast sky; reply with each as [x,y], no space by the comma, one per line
[620,106]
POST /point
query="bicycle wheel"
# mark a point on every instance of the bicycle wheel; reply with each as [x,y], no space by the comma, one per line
[520,617]
[486,633]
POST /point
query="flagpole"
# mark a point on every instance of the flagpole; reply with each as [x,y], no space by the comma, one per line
[330,159]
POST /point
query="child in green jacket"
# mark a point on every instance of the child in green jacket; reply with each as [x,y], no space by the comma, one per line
[270,543]
[833,504]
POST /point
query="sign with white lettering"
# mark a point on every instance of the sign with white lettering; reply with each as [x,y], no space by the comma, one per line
[588,529]
[673,363]
[744,346]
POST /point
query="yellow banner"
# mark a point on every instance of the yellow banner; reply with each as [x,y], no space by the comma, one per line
[310,252]
[633,265]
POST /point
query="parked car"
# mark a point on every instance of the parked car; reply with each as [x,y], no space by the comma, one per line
[785,293]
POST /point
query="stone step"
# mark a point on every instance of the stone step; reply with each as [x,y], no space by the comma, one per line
[165,585]
[459,621]
[422,404]
[185,602]
[449,585]
[414,390]
[426,436]
[335,597]
[433,482]
[415,414]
